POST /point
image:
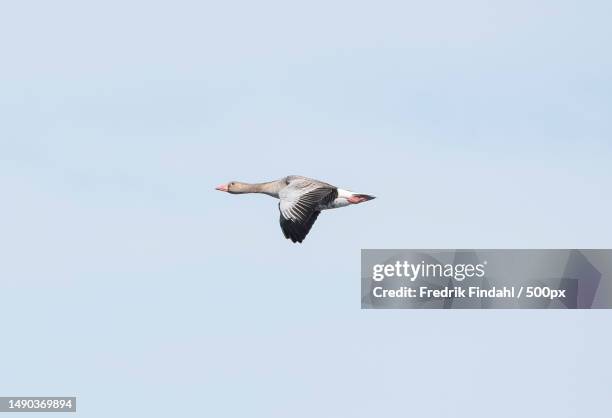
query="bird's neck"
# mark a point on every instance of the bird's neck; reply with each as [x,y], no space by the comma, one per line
[270,188]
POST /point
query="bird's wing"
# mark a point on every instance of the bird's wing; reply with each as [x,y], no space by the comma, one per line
[299,205]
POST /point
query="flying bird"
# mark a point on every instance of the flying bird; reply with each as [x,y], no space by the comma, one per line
[301,200]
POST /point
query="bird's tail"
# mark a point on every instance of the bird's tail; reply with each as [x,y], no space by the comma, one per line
[359,198]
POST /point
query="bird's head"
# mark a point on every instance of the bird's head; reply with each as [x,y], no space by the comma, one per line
[234,187]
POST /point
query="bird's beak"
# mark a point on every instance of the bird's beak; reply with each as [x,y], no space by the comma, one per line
[222,188]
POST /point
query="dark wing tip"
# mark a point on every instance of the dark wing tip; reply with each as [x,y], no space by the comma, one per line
[295,231]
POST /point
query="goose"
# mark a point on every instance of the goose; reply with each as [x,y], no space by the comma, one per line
[301,200]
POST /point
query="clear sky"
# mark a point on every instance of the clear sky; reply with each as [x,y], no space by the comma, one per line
[128,281]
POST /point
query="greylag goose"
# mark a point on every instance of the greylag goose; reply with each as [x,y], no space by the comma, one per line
[301,201]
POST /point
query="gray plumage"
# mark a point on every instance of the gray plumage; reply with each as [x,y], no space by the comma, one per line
[301,201]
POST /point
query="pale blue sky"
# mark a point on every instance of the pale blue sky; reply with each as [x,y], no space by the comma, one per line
[128,281]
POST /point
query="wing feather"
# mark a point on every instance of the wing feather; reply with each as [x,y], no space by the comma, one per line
[300,203]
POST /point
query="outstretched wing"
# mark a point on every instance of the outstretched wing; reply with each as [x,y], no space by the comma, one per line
[299,205]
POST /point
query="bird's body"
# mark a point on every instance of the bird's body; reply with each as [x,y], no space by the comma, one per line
[301,201]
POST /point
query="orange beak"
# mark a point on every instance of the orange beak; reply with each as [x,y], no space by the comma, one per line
[222,188]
